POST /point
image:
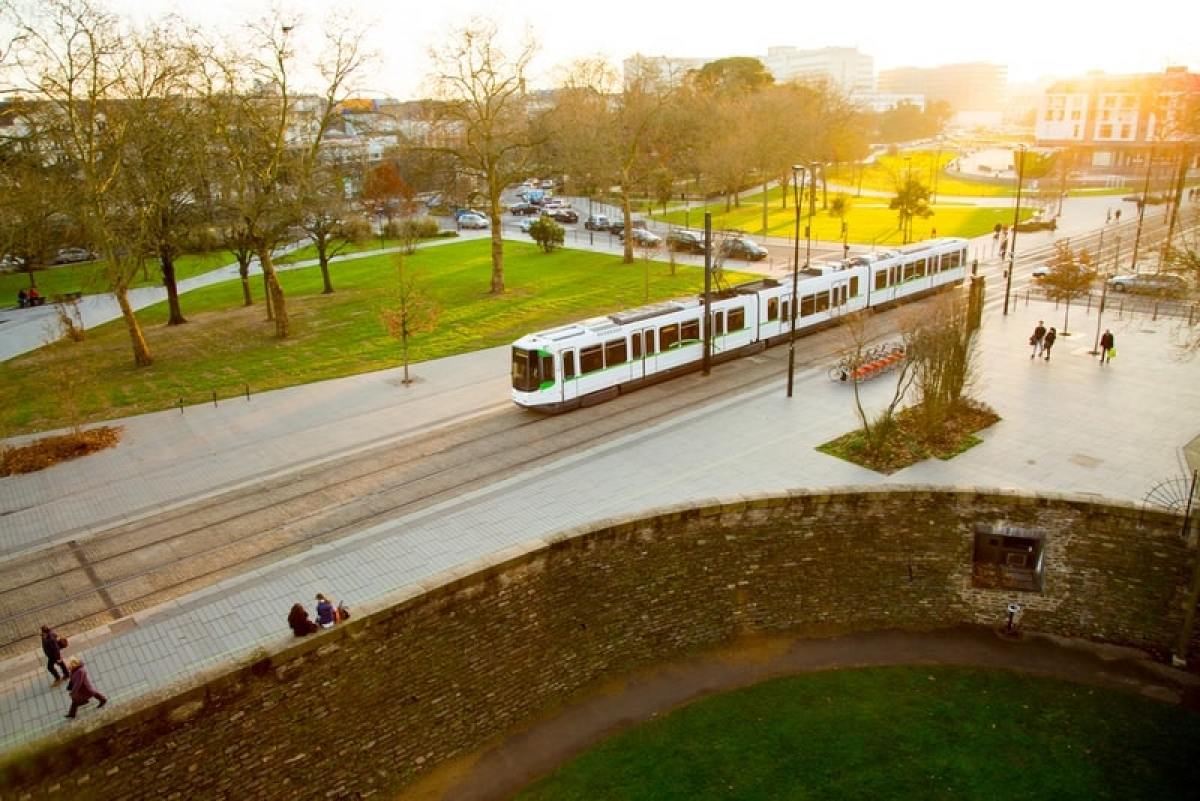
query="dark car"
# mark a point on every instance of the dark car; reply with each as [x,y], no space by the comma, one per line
[521,209]
[618,226]
[597,222]
[73,255]
[1149,284]
[742,248]
[1037,224]
[644,238]
[565,215]
[685,241]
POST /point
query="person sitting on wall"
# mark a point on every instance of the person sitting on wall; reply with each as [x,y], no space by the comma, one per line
[22,299]
[298,621]
[35,297]
[324,611]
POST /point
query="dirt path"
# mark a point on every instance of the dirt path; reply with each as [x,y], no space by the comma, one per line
[507,766]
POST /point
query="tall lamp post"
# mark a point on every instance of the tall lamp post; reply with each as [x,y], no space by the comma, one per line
[1137,237]
[798,172]
[1012,251]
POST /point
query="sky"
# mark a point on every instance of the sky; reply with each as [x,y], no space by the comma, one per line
[1033,39]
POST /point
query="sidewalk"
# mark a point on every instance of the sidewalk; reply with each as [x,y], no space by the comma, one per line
[1068,426]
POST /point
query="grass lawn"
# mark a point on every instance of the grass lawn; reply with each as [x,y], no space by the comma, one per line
[226,346]
[921,733]
[869,221]
[88,277]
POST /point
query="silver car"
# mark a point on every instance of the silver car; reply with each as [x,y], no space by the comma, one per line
[1149,284]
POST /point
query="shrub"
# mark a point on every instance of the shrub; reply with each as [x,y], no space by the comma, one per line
[547,233]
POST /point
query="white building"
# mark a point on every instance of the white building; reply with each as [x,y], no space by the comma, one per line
[846,68]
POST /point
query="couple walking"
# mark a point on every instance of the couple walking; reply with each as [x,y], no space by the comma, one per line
[1042,341]
[79,684]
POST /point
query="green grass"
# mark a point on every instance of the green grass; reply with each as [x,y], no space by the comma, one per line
[869,221]
[88,277]
[226,346]
[921,733]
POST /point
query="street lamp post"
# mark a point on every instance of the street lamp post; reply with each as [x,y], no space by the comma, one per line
[1012,252]
[798,172]
[1137,237]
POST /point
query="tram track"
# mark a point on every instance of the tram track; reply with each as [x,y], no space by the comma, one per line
[86,583]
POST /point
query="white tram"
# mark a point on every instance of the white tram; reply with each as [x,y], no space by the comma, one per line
[594,360]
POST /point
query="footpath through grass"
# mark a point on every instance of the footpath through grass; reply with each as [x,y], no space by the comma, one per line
[921,733]
[226,346]
[88,277]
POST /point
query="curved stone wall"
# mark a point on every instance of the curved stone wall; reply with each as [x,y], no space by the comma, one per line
[367,707]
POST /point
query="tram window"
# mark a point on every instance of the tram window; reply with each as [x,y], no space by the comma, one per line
[591,359]
[649,341]
[808,306]
[908,272]
[822,302]
[919,269]
[668,336]
[615,352]
[637,347]
[787,309]
[719,323]
[839,295]
[881,280]
[548,369]
[737,319]
[854,286]
[568,364]
[773,309]
[691,330]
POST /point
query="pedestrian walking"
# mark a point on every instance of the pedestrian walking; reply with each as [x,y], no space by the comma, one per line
[298,621]
[1108,347]
[1036,338]
[52,646]
[1048,342]
[81,689]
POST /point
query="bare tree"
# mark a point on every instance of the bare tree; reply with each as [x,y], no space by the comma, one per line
[1070,277]
[76,60]
[857,334]
[941,346]
[480,117]
[411,310]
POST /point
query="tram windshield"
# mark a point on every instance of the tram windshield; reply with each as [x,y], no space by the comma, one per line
[526,375]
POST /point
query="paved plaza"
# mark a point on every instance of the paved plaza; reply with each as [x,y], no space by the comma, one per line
[1068,426]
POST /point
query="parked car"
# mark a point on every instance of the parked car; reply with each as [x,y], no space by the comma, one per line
[458,213]
[681,239]
[523,209]
[565,215]
[525,224]
[739,247]
[73,255]
[1037,224]
[472,221]
[597,222]
[1149,284]
[644,238]
[618,226]
[1041,271]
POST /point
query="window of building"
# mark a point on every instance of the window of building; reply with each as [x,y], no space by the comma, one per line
[691,330]
[1105,132]
[1075,114]
[1125,129]
[615,352]
[668,336]
[737,319]
[568,364]
[1007,558]
[591,359]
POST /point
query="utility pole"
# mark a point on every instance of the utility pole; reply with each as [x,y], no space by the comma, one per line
[1137,239]
[708,319]
[797,178]
[1012,252]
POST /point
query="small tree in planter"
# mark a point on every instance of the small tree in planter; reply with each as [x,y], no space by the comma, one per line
[1069,277]
[547,233]
[411,310]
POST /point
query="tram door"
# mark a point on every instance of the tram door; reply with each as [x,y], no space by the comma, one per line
[642,349]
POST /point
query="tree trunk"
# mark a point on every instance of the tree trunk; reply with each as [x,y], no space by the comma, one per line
[267,297]
[1067,318]
[627,211]
[244,272]
[275,292]
[175,314]
[322,244]
[32,280]
[141,351]
[497,243]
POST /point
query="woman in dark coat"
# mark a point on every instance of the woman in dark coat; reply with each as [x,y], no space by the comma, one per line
[299,622]
[81,689]
[53,652]
[1048,343]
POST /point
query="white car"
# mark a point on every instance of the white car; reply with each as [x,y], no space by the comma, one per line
[527,223]
[472,221]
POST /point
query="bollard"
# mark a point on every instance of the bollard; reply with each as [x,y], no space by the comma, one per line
[247,392]
[1121,308]
[1154,317]
[1089,308]
[181,405]
[1191,312]
[214,399]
